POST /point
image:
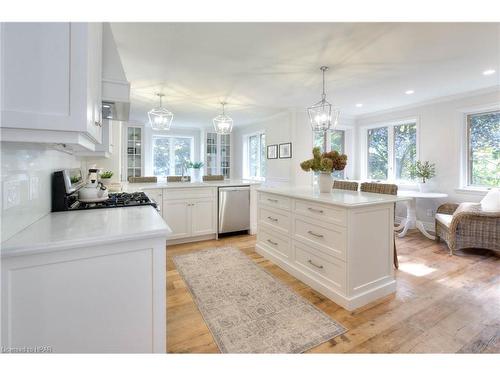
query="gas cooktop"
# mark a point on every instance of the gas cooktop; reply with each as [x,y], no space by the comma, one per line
[117,200]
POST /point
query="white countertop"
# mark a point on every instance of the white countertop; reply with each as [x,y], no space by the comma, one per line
[344,198]
[131,187]
[62,230]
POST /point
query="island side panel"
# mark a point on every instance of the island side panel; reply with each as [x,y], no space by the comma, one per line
[370,253]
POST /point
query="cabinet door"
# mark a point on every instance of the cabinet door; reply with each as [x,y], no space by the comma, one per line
[177,214]
[51,76]
[133,151]
[203,217]
[94,80]
[157,196]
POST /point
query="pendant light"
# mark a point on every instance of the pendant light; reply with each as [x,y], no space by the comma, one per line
[223,124]
[160,118]
[321,115]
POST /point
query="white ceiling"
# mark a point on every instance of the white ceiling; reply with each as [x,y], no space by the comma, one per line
[263,68]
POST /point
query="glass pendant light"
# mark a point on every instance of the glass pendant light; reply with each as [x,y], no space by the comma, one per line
[223,124]
[321,114]
[160,118]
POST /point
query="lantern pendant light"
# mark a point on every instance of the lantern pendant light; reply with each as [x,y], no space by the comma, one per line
[160,118]
[223,124]
[321,114]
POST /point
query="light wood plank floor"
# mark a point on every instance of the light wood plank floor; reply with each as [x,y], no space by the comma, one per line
[443,304]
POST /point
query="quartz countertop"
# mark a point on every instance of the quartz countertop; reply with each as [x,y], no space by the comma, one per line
[344,198]
[131,187]
[71,229]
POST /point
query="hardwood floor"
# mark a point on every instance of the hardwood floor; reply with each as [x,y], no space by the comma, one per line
[443,304]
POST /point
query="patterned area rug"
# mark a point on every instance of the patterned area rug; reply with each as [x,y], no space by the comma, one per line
[247,309]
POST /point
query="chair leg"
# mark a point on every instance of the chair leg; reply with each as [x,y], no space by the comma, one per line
[396,261]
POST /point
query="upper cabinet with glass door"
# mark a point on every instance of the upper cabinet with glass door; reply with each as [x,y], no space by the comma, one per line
[134,151]
[51,75]
[217,154]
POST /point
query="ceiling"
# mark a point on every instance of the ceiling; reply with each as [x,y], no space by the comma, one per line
[264,68]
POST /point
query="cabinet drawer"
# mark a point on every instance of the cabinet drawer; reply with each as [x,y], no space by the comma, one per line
[327,237]
[322,268]
[187,193]
[276,219]
[274,200]
[332,214]
[276,244]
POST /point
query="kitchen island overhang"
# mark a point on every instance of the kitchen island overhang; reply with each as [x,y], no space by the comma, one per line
[340,243]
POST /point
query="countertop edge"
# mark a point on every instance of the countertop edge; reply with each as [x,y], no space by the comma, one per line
[45,248]
[393,199]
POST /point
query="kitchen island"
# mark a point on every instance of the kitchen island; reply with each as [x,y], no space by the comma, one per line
[191,208]
[88,281]
[340,243]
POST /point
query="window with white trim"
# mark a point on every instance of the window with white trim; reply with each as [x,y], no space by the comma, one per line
[391,150]
[255,156]
[483,149]
[332,140]
[169,154]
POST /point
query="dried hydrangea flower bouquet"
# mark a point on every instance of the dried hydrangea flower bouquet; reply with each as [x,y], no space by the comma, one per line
[325,163]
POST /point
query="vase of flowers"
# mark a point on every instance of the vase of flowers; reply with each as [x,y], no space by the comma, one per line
[195,170]
[424,171]
[325,163]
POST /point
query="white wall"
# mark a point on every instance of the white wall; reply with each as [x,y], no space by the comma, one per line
[28,168]
[289,126]
[441,141]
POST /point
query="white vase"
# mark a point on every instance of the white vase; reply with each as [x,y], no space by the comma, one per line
[196,175]
[325,182]
[106,181]
[423,187]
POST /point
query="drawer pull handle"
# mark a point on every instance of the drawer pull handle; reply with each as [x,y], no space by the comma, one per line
[315,234]
[272,218]
[315,265]
[272,242]
[272,200]
[315,210]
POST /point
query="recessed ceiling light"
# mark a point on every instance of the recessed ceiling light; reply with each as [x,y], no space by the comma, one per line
[359,105]
[489,72]
[409,92]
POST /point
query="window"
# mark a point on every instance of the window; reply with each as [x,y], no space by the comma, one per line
[333,140]
[169,154]
[483,145]
[391,151]
[256,156]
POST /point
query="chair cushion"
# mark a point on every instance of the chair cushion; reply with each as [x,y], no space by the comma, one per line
[491,201]
[444,219]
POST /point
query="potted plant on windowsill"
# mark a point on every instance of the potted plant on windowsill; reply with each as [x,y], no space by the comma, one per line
[106,177]
[424,171]
[325,163]
[195,170]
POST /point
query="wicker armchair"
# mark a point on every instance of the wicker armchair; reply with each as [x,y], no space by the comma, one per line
[345,185]
[372,187]
[465,225]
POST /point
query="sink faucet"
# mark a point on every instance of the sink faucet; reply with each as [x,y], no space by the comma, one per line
[183,170]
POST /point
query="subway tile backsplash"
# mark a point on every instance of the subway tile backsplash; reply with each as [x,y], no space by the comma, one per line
[26,183]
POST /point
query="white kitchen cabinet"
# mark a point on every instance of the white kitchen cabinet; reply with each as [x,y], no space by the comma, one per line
[203,217]
[133,150]
[51,83]
[177,213]
[193,215]
[217,154]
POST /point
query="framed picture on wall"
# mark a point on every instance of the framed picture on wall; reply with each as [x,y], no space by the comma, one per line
[285,150]
[272,152]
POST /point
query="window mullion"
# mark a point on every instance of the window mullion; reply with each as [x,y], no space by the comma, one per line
[390,153]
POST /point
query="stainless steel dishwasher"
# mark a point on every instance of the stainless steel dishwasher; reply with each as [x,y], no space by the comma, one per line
[234,209]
